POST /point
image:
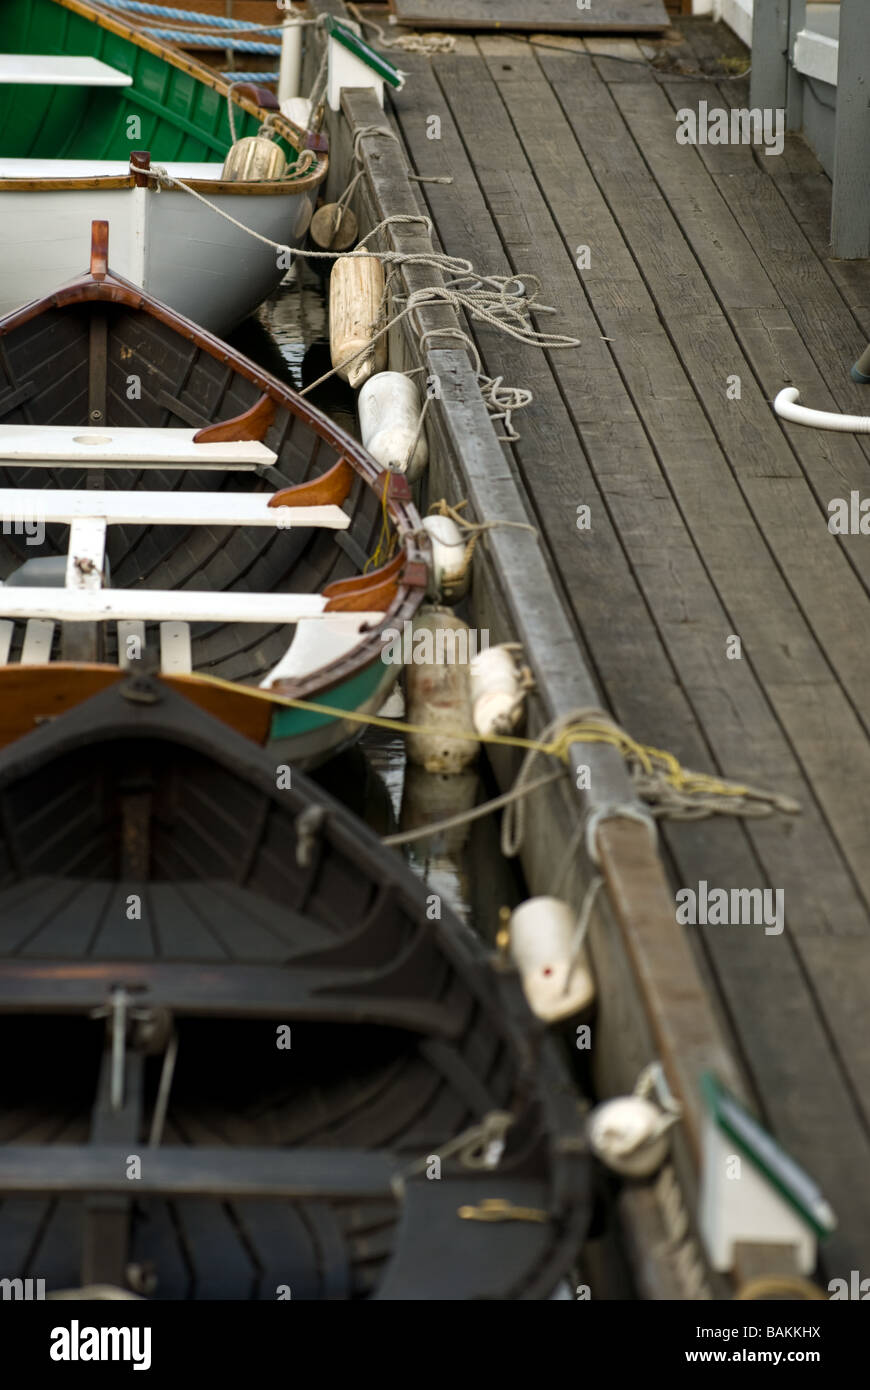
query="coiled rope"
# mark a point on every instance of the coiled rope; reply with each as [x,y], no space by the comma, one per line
[427,44]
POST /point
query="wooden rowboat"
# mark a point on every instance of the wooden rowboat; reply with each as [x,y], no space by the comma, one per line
[80,92]
[149,474]
[332,1095]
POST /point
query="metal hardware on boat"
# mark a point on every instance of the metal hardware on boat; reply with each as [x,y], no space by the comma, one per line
[497,1209]
[254,159]
[139,690]
[356,291]
[390,418]
[161,1104]
[152,1029]
[553,965]
[438,689]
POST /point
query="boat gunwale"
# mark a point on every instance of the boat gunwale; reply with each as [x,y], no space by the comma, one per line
[247,187]
[413,581]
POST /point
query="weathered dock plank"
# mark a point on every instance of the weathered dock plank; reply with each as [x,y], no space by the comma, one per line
[560,16]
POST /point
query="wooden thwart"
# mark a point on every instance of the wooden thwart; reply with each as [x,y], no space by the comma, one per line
[559,16]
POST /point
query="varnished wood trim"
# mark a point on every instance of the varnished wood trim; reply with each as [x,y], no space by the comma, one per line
[377,598]
[271,189]
[359,582]
[141,159]
[331,488]
[252,424]
[99,250]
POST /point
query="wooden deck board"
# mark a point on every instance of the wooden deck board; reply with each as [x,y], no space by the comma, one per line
[708,517]
[632,16]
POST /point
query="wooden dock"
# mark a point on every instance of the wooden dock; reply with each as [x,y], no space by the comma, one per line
[700,283]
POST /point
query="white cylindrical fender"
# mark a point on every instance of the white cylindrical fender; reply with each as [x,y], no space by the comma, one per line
[496,693]
[556,977]
[438,696]
[296,109]
[389,419]
[786,406]
[254,160]
[356,287]
[451,569]
[629,1135]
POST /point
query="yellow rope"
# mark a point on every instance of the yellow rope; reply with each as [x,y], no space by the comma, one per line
[592,729]
[386,541]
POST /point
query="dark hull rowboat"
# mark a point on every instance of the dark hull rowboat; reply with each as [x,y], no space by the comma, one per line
[250,1064]
[253,578]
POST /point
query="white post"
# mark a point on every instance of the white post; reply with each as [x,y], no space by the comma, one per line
[290,74]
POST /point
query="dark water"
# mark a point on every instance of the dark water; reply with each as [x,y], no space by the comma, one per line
[290,338]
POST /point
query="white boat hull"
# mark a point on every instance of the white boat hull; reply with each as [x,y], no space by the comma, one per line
[180,251]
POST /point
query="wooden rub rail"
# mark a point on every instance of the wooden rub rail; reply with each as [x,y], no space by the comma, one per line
[653,1002]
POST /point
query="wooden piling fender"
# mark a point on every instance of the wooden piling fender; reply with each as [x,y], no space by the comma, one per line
[555,972]
[356,289]
[254,160]
[389,416]
[438,689]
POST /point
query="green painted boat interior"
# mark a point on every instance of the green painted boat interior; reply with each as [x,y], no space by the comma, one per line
[179,117]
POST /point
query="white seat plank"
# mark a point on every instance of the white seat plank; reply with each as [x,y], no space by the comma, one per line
[147,508]
[175,653]
[56,70]
[181,605]
[47,445]
[38,639]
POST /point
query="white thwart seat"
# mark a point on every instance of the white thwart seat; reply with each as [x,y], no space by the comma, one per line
[46,446]
[187,605]
[60,71]
[83,599]
[18,167]
[165,509]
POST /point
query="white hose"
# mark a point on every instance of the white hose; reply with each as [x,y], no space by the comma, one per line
[787,407]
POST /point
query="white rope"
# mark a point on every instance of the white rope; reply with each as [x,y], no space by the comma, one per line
[427,44]
[464,817]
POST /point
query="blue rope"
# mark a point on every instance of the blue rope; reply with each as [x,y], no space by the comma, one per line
[186,38]
[191,16]
[250,76]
